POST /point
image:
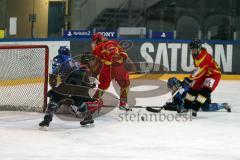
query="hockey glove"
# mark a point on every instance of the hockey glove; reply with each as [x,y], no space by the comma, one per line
[186,82]
[53,80]
[170,106]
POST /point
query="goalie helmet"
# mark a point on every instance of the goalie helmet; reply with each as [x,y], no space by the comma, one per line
[63,50]
[173,84]
[61,59]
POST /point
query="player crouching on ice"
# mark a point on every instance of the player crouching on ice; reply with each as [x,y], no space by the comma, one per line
[177,103]
[204,79]
[73,89]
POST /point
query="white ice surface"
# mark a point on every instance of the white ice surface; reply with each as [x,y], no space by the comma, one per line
[212,136]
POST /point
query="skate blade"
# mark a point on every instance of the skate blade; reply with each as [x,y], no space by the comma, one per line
[88,125]
[45,128]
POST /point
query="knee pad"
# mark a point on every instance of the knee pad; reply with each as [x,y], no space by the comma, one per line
[202,99]
[204,96]
[190,98]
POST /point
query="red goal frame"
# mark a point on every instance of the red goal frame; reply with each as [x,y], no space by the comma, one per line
[46,65]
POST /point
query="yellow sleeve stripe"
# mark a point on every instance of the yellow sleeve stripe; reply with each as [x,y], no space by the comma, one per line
[202,71]
[198,62]
[215,70]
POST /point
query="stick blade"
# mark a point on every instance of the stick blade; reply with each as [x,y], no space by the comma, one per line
[150,109]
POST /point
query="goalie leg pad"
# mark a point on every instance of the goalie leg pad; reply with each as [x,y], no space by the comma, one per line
[49,114]
[91,106]
[52,106]
[94,106]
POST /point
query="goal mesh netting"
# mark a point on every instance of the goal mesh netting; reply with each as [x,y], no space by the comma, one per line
[23,77]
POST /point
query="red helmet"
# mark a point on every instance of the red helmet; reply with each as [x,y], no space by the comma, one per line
[98,37]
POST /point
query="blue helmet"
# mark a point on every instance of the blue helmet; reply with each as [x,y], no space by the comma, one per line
[63,50]
[61,59]
[173,84]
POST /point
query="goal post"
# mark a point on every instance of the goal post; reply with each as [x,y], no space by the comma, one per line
[24,77]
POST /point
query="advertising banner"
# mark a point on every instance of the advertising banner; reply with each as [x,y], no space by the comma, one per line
[77,34]
[174,56]
[108,33]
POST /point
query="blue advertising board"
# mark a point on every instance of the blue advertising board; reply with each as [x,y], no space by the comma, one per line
[88,33]
[77,34]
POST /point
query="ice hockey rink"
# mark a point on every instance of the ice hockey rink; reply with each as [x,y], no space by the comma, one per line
[212,136]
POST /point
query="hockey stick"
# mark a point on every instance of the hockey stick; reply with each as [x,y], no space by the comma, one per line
[148,108]
[151,109]
[130,107]
[136,107]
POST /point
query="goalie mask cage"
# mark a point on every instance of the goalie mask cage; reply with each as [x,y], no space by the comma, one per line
[23,77]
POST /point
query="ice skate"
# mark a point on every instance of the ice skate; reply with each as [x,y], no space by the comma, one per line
[123,106]
[87,120]
[44,125]
[227,107]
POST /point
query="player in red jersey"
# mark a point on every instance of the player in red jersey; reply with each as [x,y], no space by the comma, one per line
[204,79]
[113,58]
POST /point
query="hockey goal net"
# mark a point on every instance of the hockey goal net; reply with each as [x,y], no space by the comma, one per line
[23,77]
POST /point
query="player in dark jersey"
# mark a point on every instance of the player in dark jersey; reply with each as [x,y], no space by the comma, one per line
[177,103]
[72,90]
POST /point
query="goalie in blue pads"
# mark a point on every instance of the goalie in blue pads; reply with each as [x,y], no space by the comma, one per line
[72,91]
